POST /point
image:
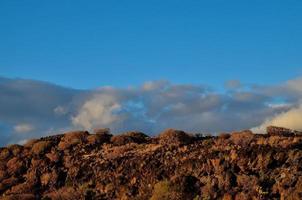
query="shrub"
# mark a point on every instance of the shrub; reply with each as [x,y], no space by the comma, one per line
[72,138]
[66,193]
[49,178]
[224,136]
[53,156]
[179,187]
[101,131]
[3,175]
[22,188]
[15,166]
[242,138]
[161,191]
[4,154]
[129,137]
[171,136]
[41,147]
[30,143]
[99,138]
[274,130]
[15,149]
[19,197]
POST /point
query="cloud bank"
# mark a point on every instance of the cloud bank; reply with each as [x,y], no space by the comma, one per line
[33,109]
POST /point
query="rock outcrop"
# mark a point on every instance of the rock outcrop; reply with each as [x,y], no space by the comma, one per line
[175,165]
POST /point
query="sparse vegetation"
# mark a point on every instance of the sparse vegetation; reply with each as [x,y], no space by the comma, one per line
[175,165]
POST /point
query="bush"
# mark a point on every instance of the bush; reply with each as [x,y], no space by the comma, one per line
[224,136]
[19,197]
[274,130]
[41,147]
[171,136]
[30,143]
[67,193]
[72,138]
[3,175]
[101,131]
[161,191]
[242,138]
[15,166]
[99,138]
[179,187]
[4,154]
[129,137]
[15,149]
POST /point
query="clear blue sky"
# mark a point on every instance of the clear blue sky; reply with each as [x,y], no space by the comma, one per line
[86,44]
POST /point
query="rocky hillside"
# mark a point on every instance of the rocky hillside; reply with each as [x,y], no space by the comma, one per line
[174,165]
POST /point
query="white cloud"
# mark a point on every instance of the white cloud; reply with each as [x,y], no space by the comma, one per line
[150,107]
[23,128]
[291,119]
[60,110]
[295,85]
[157,105]
[98,111]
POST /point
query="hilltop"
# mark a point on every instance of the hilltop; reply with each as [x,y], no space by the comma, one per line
[173,165]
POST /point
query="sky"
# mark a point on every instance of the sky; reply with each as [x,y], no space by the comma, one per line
[195,65]
[85,45]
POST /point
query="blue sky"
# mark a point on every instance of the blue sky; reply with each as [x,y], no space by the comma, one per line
[87,44]
[200,66]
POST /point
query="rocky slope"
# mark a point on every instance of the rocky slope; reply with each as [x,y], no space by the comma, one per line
[174,165]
